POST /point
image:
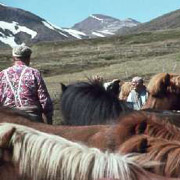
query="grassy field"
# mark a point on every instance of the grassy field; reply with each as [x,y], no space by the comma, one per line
[122,57]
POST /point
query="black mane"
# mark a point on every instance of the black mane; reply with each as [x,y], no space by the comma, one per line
[87,103]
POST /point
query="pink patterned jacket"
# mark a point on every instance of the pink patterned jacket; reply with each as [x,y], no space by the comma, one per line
[23,86]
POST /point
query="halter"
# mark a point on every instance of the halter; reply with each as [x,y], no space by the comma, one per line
[16,93]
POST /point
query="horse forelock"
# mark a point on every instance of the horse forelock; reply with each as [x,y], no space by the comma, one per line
[44,156]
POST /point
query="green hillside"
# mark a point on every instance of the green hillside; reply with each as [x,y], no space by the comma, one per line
[123,57]
[167,21]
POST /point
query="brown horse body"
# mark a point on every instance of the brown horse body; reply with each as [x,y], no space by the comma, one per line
[100,136]
[23,136]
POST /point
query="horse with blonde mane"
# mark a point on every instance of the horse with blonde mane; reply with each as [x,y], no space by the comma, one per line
[164,92]
[39,155]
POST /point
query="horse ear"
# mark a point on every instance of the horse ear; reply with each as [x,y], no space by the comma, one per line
[63,87]
[6,133]
[143,145]
[140,129]
[167,80]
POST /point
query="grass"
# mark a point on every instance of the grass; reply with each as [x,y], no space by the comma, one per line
[123,57]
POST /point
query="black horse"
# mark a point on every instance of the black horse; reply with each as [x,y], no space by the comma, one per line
[88,103]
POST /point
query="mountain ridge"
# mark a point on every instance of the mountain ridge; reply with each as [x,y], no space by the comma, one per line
[18,26]
[99,25]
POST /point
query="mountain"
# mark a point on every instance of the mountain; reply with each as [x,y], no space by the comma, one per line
[18,26]
[168,21]
[98,25]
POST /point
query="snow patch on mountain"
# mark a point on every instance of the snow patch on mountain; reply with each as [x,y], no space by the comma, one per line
[51,26]
[15,28]
[75,33]
[98,34]
[95,17]
[106,32]
[9,40]
[3,4]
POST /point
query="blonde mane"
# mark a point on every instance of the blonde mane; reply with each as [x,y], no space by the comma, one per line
[126,87]
[50,157]
[167,153]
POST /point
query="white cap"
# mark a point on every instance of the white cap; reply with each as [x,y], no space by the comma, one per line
[137,79]
[21,51]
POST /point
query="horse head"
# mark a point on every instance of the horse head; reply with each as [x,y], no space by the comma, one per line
[158,84]
[85,103]
[113,87]
[164,92]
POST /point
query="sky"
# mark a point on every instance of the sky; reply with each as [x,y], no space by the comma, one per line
[65,13]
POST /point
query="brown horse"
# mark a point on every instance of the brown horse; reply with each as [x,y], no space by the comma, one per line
[100,136]
[43,156]
[38,155]
[156,149]
[164,92]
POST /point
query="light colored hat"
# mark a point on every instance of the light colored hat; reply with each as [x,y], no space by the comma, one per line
[21,51]
[137,79]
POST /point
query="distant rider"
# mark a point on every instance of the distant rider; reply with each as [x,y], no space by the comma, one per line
[22,87]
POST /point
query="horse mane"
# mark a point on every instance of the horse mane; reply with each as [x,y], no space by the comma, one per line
[59,158]
[158,84]
[85,103]
[174,84]
[162,129]
[135,144]
[163,151]
[126,87]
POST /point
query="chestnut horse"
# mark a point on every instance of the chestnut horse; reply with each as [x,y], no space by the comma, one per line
[164,92]
[104,137]
[89,103]
[38,155]
[156,149]
[43,156]
[100,136]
